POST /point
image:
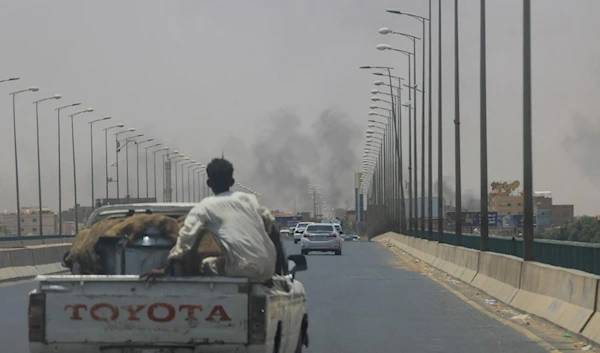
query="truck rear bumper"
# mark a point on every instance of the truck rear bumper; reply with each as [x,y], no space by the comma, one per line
[87,348]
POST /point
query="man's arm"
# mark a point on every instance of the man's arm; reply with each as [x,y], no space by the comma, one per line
[187,235]
[281,265]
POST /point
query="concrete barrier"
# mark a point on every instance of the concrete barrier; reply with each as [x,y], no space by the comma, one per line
[498,275]
[592,329]
[25,263]
[468,260]
[563,296]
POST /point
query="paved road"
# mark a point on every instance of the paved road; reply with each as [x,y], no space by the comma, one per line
[361,302]
[358,302]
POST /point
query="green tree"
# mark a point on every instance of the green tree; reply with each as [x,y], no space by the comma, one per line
[585,230]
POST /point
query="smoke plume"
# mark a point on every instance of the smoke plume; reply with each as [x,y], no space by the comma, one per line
[583,146]
[288,159]
[470,202]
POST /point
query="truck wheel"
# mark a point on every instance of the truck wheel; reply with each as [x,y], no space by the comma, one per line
[295,241]
[338,252]
[304,252]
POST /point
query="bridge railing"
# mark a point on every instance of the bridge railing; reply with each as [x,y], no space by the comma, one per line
[575,255]
[19,242]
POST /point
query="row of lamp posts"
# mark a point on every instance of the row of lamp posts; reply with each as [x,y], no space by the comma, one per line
[383,177]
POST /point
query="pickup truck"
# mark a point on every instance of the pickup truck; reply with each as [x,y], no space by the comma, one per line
[116,312]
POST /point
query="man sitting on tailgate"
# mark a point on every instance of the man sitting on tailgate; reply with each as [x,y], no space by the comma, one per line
[237,222]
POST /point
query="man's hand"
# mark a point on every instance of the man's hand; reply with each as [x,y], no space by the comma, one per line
[153,274]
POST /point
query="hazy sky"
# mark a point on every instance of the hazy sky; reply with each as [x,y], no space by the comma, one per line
[207,76]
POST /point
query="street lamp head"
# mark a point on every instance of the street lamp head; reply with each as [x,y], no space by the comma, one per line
[373,106]
[176,151]
[107,118]
[193,161]
[13,78]
[375,99]
[120,125]
[131,129]
[57,96]
[372,113]
[374,91]
[384,30]
[378,73]
[383,47]
[370,132]
[378,83]
[364,67]
[397,12]
[33,89]
[89,110]
[371,125]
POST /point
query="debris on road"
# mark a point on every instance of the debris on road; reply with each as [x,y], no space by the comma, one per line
[567,335]
[523,318]
[587,348]
[491,301]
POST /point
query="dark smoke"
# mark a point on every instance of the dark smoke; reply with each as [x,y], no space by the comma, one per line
[469,201]
[583,146]
[287,159]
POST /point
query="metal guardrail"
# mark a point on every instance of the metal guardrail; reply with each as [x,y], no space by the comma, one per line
[34,237]
[19,242]
[575,255]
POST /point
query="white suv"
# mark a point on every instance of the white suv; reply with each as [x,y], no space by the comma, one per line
[300,227]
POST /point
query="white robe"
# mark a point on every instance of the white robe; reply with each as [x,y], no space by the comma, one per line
[237,222]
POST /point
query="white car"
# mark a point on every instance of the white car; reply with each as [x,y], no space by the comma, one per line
[299,230]
[321,237]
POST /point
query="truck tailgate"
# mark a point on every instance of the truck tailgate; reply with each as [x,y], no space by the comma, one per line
[112,310]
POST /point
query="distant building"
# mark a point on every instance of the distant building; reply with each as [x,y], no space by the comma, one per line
[562,214]
[542,205]
[30,222]
[506,204]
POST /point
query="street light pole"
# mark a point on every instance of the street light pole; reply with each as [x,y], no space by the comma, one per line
[88,110]
[117,150]
[14,94]
[92,156]
[458,220]
[430,140]
[137,166]
[154,165]
[146,155]
[106,153]
[527,144]
[440,140]
[60,223]
[127,140]
[483,134]
[37,129]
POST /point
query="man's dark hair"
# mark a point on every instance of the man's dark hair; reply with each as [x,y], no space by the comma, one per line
[220,174]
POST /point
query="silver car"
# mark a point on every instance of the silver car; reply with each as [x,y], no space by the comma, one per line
[321,237]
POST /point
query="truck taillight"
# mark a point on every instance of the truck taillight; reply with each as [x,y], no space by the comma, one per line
[306,235]
[257,320]
[37,317]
